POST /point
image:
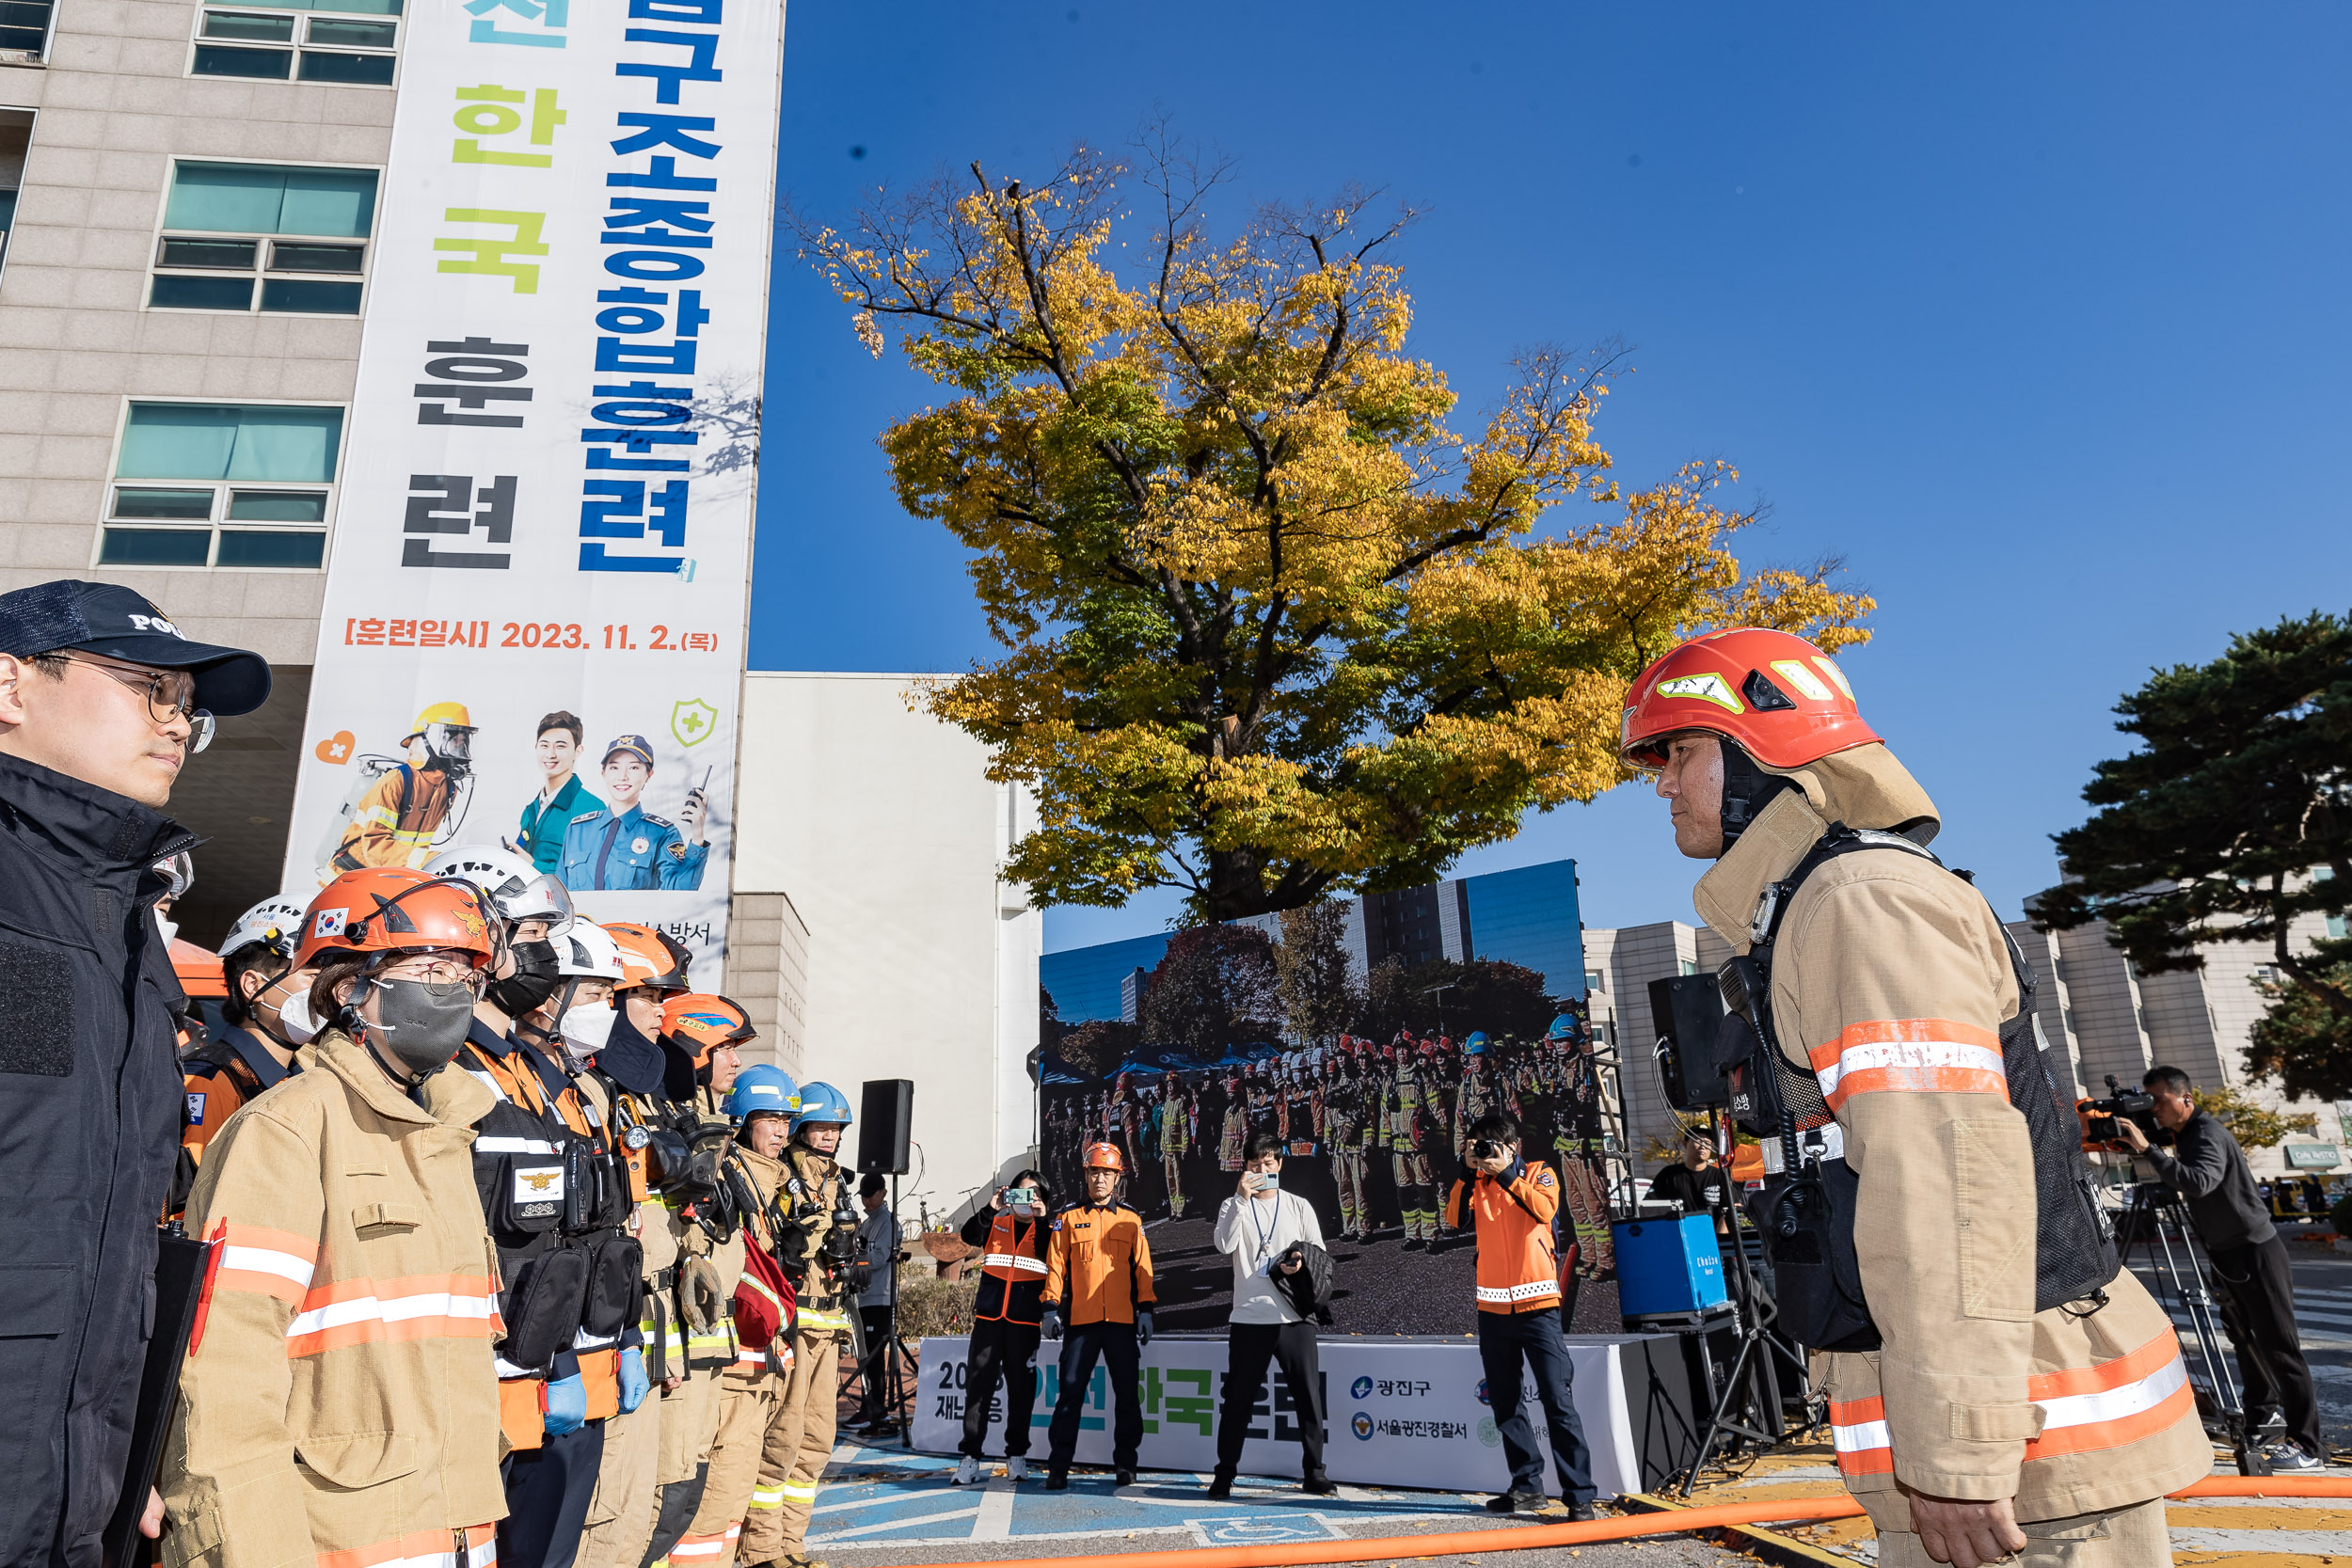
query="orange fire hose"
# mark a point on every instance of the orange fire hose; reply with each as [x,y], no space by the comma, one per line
[1672,1522]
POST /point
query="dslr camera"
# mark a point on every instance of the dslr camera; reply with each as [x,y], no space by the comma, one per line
[2100,1117]
[1486,1148]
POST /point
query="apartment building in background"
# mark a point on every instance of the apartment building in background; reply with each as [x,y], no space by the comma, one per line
[188,214]
[2090,999]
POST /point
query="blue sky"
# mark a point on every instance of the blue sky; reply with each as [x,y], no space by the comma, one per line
[2037,315]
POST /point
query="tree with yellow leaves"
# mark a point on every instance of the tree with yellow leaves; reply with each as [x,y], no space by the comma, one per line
[1273,629]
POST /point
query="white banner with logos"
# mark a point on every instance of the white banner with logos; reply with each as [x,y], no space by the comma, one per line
[1400,1411]
[538,588]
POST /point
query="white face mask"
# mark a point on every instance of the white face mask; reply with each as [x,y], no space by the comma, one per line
[294,1017]
[585,1028]
[169,928]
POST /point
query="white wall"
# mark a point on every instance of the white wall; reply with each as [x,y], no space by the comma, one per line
[882,826]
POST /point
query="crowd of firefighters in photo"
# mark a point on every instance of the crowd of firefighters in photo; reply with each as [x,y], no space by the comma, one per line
[595,1284]
[1375,1133]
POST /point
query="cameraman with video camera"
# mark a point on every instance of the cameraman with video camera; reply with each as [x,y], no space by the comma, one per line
[2250,1262]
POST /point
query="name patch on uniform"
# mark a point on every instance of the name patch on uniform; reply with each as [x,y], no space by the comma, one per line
[196,1110]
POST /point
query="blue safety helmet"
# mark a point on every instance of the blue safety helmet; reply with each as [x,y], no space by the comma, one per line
[763,1088]
[1562,1028]
[1476,1044]
[820,1102]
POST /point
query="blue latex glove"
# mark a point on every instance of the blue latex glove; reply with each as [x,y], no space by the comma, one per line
[567,1406]
[1143,1326]
[633,1384]
[1051,1327]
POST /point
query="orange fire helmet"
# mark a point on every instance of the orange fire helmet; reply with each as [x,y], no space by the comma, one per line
[648,957]
[199,971]
[1104,1157]
[391,909]
[1781,698]
[701,1021]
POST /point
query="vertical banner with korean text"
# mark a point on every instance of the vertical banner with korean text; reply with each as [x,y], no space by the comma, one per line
[536,600]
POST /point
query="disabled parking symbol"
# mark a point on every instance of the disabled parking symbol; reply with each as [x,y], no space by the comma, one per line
[1258,1529]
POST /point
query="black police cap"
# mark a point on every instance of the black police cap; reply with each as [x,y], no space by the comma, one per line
[103,618]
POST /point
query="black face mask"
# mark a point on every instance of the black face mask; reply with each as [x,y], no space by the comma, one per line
[533,981]
[1747,790]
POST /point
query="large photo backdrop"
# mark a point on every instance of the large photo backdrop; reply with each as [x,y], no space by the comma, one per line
[535,607]
[1371,1080]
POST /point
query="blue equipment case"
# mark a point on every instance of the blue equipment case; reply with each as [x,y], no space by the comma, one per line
[1668,1265]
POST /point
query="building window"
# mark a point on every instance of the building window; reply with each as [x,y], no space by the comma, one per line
[280,42]
[1690,966]
[25,31]
[273,237]
[222,485]
[1592,980]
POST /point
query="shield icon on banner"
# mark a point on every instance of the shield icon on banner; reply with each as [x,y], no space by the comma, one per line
[692,720]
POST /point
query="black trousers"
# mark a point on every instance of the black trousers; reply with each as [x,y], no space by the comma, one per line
[874,1368]
[547,1492]
[1005,1351]
[2258,1307]
[1115,1345]
[1248,1349]
[1507,1341]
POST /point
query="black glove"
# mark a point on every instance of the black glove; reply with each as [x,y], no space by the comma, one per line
[1051,1327]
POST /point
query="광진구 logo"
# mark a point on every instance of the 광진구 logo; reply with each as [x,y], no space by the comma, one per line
[1360,1388]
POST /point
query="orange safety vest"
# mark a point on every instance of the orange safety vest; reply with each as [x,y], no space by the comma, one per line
[1012,1262]
[1518,1265]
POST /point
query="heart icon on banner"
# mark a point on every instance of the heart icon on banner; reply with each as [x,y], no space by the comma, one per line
[336,748]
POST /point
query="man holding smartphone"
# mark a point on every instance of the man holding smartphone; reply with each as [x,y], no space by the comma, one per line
[1010,1233]
[1265,1230]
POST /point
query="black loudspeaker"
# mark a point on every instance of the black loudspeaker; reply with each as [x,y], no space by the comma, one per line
[885,1115]
[1687,1011]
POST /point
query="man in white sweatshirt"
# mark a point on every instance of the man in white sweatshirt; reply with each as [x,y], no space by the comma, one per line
[1262,1228]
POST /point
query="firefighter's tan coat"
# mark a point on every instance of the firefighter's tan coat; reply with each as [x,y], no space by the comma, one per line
[1890,980]
[340,1408]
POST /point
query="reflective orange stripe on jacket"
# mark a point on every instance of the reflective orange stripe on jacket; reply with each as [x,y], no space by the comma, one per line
[429,1548]
[332,1314]
[2106,1406]
[1007,1259]
[1519,1270]
[1935,1054]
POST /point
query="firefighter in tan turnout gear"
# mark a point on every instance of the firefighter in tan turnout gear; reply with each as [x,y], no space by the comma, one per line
[800,1438]
[338,1403]
[2001,1386]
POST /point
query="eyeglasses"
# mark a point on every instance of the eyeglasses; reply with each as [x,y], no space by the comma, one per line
[170,694]
[437,972]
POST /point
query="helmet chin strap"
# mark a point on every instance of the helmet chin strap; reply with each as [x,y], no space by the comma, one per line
[1747,790]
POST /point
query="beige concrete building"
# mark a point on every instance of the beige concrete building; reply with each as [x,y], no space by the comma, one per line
[188,199]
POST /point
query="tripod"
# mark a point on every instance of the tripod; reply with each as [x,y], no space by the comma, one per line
[890,1359]
[2154,1219]
[1750,1407]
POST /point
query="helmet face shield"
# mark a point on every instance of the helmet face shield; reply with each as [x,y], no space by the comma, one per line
[454,741]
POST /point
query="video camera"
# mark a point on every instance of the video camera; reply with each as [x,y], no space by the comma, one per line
[2100,1118]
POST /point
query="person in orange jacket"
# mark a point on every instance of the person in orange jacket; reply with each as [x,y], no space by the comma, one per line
[1513,1204]
[1098,1277]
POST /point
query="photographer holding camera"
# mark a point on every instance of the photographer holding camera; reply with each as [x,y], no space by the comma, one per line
[1998,1383]
[2208,1170]
[1514,1206]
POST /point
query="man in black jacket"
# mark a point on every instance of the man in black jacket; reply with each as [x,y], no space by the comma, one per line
[102,702]
[2208,1170]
